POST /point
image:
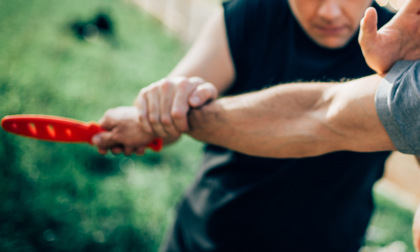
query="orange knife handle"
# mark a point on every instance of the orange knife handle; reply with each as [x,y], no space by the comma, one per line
[57,129]
[93,128]
[156,145]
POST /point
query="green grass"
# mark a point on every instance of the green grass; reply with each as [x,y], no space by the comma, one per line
[390,223]
[60,197]
[68,197]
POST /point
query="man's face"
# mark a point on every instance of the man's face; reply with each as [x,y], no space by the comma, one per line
[330,23]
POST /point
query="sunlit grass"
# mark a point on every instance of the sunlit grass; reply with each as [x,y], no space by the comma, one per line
[68,197]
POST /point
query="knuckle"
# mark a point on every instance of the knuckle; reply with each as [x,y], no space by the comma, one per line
[101,145]
[153,119]
[211,90]
[141,100]
[142,115]
[178,113]
[144,91]
[108,113]
[115,138]
[153,88]
[196,79]
[163,134]
[183,84]
[145,126]
[179,79]
[141,96]
[166,120]
[166,86]
[128,143]
[205,92]
[161,81]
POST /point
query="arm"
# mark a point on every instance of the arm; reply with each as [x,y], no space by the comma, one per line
[169,116]
[209,57]
[397,40]
[205,71]
[163,105]
[295,120]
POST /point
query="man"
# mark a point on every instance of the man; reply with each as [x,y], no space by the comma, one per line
[245,203]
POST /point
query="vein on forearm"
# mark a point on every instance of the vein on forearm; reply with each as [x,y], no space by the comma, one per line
[294,120]
[276,122]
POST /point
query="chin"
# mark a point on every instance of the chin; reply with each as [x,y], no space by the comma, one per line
[332,43]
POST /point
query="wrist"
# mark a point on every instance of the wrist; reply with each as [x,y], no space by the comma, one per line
[206,121]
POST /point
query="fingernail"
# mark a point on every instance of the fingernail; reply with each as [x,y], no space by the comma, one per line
[96,140]
[195,100]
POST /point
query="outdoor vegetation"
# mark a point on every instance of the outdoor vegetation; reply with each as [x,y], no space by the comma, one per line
[67,197]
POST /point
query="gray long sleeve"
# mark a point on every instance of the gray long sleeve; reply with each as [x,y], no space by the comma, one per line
[398,106]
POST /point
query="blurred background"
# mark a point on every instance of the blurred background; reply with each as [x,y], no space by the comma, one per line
[79,58]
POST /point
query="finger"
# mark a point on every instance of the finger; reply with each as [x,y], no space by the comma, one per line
[180,104]
[368,27]
[167,93]
[143,114]
[102,151]
[202,94]
[140,151]
[153,104]
[107,121]
[117,150]
[128,150]
[104,140]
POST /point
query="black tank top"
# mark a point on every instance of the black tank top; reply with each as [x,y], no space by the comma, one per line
[245,203]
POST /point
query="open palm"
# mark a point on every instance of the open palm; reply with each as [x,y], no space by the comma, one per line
[399,39]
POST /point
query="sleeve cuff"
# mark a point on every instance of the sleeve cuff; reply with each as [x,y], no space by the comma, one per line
[386,106]
[397,70]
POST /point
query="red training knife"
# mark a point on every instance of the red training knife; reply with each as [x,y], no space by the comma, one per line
[57,129]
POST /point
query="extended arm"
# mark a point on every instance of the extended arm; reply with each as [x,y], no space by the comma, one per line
[205,71]
[295,120]
[325,126]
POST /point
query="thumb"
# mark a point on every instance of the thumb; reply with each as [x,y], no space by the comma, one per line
[107,121]
[202,94]
[104,140]
[368,27]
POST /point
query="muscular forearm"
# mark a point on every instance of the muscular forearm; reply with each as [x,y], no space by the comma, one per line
[265,123]
[295,120]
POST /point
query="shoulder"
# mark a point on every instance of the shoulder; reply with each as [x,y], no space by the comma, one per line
[397,99]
